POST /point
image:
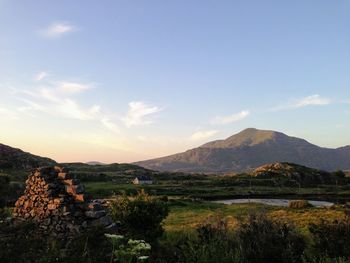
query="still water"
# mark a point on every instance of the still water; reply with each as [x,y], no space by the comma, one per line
[274,202]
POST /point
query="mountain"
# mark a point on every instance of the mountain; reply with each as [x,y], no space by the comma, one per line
[12,158]
[250,149]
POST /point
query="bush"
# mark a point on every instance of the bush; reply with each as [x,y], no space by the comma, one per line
[140,217]
[23,243]
[128,250]
[299,204]
[332,239]
[4,189]
[211,242]
[262,240]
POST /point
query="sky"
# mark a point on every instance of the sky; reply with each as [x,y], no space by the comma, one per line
[123,81]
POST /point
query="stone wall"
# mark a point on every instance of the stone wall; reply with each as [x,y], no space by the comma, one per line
[58,203]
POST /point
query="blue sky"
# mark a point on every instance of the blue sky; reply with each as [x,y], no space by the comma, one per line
[120,81]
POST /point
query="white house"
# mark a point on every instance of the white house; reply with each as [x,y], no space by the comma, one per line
[142,179]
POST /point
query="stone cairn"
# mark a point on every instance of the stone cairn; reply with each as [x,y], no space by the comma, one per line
[58,204]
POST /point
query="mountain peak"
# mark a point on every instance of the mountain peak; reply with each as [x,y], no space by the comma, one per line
[247,137]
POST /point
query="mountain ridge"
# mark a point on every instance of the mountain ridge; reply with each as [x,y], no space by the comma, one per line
[250,149]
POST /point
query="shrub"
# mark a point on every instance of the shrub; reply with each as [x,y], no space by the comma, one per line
[263,240]
[4,213]
[128,250]
[216,242]
[332,239]
[23,243]
[4,189]
[140,217]
[299,204]
[211,242]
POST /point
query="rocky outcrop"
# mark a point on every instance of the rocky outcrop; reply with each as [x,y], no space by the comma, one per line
[303,175]
[58,203]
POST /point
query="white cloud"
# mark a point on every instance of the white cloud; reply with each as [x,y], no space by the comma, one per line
[58,29]
[8,114]
[72,87]
[54,99]
[48,94]
[138,111]
[41,75]
[222,120]
[30,105]
[202,135]
[71,109]
[313,100]
[110,125]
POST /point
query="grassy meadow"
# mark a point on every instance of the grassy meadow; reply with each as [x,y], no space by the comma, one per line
[186,215]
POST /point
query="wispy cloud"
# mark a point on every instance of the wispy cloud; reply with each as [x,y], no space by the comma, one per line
[73,87]
[138,114]
[110,124]
[8,114]
[58,29]
[54,99]
[71,109]
[57,99]
[41,75]
[202,135]
[313,100]
[222,120]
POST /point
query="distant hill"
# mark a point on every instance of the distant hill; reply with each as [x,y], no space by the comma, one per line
[250,149]
[95,163]
[12,158]
[301,174]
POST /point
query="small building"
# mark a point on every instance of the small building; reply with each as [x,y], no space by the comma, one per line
[142,179]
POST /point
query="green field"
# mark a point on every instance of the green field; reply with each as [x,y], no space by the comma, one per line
[213,189]
[186,215]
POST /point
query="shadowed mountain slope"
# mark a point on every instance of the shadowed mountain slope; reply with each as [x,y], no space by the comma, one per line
[12,158]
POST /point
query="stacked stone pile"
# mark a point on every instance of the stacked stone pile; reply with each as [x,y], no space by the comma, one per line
[58,203]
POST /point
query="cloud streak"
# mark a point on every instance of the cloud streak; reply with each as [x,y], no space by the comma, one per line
[73,87]
[223,120]
[139,113]
[41,75]
[8,114]
[58,29]
[202,135]
[313,100]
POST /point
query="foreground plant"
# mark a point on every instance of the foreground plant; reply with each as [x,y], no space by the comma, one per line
[140,217]
[128,250]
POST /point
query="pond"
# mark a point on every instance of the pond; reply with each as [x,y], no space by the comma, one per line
[274,202]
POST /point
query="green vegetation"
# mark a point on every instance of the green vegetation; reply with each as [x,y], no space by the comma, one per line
[23,243]
[139,217]
[177,217]
[264,240]
[186,215]
[195,231]
[128,250]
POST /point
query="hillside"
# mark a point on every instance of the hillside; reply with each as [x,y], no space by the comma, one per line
[250,149]
[12,158]
[301,174]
